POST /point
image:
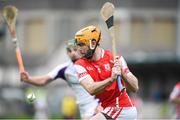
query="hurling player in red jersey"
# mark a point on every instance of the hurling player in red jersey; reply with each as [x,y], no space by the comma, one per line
[175,98]
[97,72]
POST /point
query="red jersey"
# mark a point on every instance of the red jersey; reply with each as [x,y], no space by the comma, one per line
[100,70]
[176,94]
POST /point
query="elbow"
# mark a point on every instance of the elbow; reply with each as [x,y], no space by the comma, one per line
[92,92]
[89,88]
[135,89]
[42,83]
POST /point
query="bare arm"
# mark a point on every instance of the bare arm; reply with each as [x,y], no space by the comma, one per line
[131,81]
[95,87]
[35,80]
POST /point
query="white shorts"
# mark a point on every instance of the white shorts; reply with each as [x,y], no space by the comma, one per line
[88,110]
[122,113]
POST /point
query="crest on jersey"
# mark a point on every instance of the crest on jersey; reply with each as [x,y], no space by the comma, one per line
[89,68]
[107,67]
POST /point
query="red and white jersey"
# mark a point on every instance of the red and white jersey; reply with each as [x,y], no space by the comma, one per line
[100,70]
[176,94]
[176,91]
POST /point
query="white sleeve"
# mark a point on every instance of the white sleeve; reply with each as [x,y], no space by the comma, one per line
[58,72]
[81,72]
[124,65]
[175,93]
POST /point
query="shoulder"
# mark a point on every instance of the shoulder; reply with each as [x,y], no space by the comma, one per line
[59,71]
[108,54]
[64,65]
[80,65]
[81,61]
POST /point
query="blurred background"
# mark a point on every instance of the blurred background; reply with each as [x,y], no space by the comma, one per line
[146,34]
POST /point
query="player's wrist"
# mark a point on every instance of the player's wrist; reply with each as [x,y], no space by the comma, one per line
[26,79]
[126,75]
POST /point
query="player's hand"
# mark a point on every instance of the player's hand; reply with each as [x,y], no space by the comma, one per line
[24,76]
[116,70]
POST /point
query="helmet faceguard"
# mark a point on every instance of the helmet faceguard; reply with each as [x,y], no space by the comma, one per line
[86,36]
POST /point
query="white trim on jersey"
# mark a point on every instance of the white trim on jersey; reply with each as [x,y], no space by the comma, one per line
[123,63]
[102,54]
[124,113]
[82,72]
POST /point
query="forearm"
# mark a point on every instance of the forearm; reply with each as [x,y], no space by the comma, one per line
[96,87]
[38,80]
[131,82]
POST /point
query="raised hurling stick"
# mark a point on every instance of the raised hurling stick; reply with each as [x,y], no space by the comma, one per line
[10,14]
[107,12]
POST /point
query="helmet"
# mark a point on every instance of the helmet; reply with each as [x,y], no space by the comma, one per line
[70,43]
[87,34]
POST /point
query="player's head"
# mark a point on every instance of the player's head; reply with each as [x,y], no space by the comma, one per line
[72,50]
[89,37]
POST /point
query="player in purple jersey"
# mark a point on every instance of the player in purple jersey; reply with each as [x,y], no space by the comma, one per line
[87,103]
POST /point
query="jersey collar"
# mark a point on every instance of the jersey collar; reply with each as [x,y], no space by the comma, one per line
[102,53]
